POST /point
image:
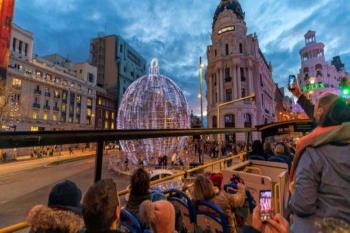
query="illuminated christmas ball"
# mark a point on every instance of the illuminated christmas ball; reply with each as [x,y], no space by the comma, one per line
[153,102]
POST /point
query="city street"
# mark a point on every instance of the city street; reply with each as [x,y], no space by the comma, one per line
[23,187]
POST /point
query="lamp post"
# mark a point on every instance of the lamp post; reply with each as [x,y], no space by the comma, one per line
[200,87]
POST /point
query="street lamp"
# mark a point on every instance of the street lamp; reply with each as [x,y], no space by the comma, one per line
[200,87]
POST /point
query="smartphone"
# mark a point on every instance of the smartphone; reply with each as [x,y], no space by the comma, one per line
[291,81]
[265,202]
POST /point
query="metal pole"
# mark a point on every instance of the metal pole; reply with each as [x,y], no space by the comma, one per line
[201,91]
[99,160]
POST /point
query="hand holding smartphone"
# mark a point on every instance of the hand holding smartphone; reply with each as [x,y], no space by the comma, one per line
[291,82]
[265,201]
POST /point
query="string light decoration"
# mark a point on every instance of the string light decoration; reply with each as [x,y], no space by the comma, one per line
[153,102]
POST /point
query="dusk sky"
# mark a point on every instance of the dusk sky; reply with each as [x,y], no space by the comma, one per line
[178,32]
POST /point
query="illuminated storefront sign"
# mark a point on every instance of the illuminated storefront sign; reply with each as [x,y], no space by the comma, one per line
[316,86]
[226,29]
[6,15]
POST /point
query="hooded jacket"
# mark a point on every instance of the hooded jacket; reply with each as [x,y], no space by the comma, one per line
[43,219]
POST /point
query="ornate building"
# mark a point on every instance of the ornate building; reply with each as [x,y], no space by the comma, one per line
[237,68]
[47,93]
[316,76]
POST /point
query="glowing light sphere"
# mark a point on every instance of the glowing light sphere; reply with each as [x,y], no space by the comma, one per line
[153,102]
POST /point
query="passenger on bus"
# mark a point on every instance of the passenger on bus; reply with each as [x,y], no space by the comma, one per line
[204,190]
[101,208]
[65,195]
[320,178]
[268,152]
[42,219]
[139,190]
[257,152]
[159,216]
[280,155]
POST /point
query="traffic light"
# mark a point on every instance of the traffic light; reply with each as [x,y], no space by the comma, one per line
[345,87]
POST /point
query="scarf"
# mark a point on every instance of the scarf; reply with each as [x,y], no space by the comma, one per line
[318,137]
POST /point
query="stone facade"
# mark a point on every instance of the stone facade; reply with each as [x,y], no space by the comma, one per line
[237,68]
[316,76]
[48,93]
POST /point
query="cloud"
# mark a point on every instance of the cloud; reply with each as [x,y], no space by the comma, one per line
[178,32]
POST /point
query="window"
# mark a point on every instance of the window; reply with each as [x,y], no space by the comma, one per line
[107,114]
[45,116]
[91,77]
[226,49]
[247,120]
[20,46]
[14,44]
[124,89]
[124,69]
[16,83]
[121,48]
[242,74]
[63,107]
[262,100]
[56,94]
[261,81]
[112,125]
[229,120]
[89,112]
[70,119]
[215,52]
[89,102]
[54,117]
[106,125]
[99,101]
[34,128]
[35,115]
[78,99]
[112,115]
[228,94]
[227,75]
[25,49]
[243,92]
[240,48]
[89,91]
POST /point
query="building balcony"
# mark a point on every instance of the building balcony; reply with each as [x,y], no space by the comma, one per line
[47,94]
[56,109]
[47,107]
[56,96]
[37,91]
[36,105]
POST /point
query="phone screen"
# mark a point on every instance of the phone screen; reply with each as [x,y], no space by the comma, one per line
[291,81]
[265,204]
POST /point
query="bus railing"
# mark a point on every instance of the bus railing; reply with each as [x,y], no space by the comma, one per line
[24,225]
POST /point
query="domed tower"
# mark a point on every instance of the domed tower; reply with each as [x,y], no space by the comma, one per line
[237,68]
[316,76]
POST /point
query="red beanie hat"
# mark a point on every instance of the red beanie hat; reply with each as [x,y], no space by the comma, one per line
[216,179]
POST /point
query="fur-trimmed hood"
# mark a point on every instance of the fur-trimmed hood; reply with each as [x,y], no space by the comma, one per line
[44,219]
